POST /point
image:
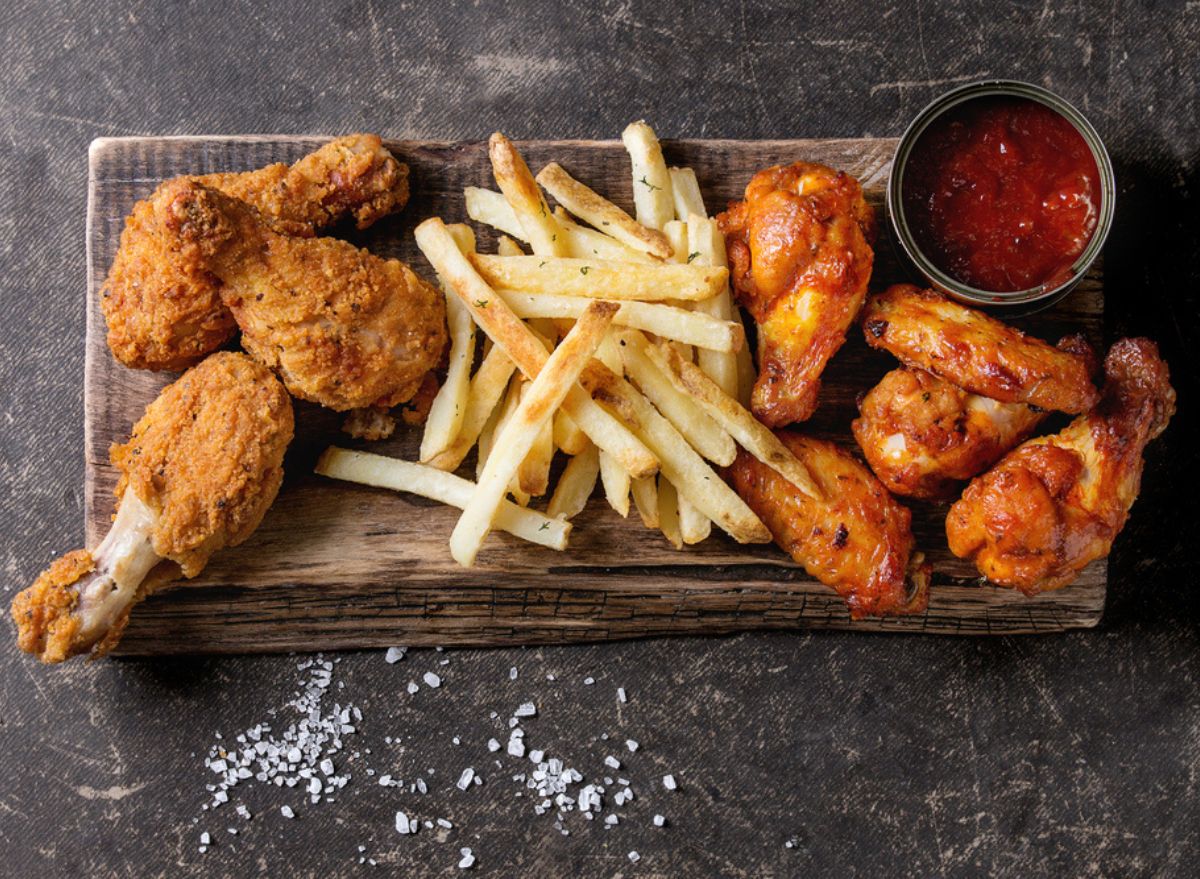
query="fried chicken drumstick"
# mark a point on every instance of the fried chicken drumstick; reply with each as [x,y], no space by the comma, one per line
[1057,502]
[858,539]
[164,310]
[341,327]
[800,257]
[197,474]
[978,353]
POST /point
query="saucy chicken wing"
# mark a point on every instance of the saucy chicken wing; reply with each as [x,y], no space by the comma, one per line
[197,474]
[857,540]
[341,327]
[923,436]
[164,309]
[978,353]
[800,256]
[1057,502]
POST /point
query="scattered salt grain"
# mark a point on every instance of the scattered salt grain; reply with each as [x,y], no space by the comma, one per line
[525,709]
[412,688]
[493,745]
[286,812]
[205,839]
[431,680]
[512,673]
[394,655]
[468,859]
[402,825]
[612,762]
[442,822]
[632,745]
[669,782]
[621,694]
[464,780]
[589,681]
[634,857]
[659,821]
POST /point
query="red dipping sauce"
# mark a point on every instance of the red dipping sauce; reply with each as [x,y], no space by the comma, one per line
[1002,194]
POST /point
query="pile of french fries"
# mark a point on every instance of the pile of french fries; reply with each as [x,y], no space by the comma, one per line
[614,340]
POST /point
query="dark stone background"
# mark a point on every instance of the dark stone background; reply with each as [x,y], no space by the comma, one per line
[1063,755]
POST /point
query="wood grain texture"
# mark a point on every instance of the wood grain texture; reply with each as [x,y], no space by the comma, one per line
[341,566]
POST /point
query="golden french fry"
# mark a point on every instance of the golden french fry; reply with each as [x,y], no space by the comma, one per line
[463,235]
[576,484]
[492,209]
[585,243]
[546,392]
[486,388]
[665,321]
[705,435]
[522,193]
[686,192]
[645,498]
[694,526]
[668,512]
[485,439]
[505,246]
[533,476]
[750,433]
[567,435]
[651,182]
[449,407]
[593,208]
[676,232]
[706,241]
[429,482]
[512,399]
[600,279]
[616,482]
[509,333]
[677,459]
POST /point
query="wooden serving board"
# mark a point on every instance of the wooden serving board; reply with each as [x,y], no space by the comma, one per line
[341,566]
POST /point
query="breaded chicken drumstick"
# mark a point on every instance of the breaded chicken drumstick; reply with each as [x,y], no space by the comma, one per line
[1056,503]
[341,327]
[164,310]
[197,474]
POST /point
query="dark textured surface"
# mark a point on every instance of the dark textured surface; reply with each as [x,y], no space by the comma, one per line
[1065,755]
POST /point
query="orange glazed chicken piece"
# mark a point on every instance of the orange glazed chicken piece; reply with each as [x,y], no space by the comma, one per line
[198,473]
[164,309]
[800,256]
[1057,502]
[858,539]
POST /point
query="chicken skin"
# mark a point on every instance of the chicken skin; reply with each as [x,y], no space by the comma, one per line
[341,327]
[197,474]
[857,540]
[164,310]
[1057,502]
[923,436]
[800,256]
[978,353]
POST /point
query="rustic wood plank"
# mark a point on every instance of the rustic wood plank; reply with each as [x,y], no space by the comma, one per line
[339,566]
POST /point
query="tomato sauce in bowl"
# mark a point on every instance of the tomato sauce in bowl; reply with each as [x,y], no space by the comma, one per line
[1002,193]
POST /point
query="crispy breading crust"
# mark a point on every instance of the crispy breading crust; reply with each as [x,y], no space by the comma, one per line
[342,327]
[164,309]
[42,612]
[800,256]
[976,352]
[858,540]
[1056,503]
[207,457]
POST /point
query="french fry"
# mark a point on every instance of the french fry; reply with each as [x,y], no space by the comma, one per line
[705,435]
[665,321]
[576,484]
[651,182]
[507,331]
[685,191]
[600,279]
[645,498]
[505,246]
[750,433]
[668,512]
[485,440]
[616,482]
[585,243]
[492,209]
[512,399]
[677,459]
[567,435]
[428,482]
[706,241]
[533,476]
[546,392]
[449,407]
[522,193]
[487,386]
[694,526]
[463,235]
[602,214]
[676,232]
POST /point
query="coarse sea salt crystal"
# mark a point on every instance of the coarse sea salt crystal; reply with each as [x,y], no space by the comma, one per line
[634,857]
[412,687]
[468,859]
[493,745]
[589,681]
[464,780]
[631,744]
[394,655]
[525,709]
[431,680]
[286,812]
[402,825]
[621,694]
[612,762]
[512,673]
[659,821]
[669,782]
